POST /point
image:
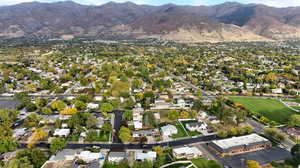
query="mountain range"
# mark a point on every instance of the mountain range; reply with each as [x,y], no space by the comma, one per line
[225,22]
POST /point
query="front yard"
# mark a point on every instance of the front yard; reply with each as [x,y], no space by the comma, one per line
[181,133]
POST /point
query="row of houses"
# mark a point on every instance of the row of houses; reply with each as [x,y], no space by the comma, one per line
[70,158]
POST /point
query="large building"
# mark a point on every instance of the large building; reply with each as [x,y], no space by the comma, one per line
[236,145]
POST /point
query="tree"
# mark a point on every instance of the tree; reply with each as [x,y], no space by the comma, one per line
[84,98]
[125,134]
[58,105]
[68,111]
[184,115]
[7,117]
[193,114]
[106,107]
[46,111]
[57,144]
[159,150]
[8,144]
[32,120]
[107,127]
[128,115]
[80,105]
[173,114]
[253,164]
[271,77]
[199,93]
[18,163]
[30,107]
[38,134]
[36,157]
[91,136]
[41,102]
[294,121]
[274,133]
[91,121]
[46,84]
[295,151]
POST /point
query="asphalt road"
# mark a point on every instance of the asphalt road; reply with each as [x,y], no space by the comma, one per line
[117,125]
[120,146]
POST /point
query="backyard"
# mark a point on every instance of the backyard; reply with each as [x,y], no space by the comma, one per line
[270,108]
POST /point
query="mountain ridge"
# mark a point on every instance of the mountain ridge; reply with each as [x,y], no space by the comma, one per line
[230,21]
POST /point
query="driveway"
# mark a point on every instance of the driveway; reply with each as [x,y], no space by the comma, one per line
[117,125]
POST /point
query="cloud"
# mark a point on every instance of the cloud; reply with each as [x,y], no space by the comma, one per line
[276,3]
[100,2]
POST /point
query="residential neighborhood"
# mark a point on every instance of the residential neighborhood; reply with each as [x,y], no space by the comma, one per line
[92,105]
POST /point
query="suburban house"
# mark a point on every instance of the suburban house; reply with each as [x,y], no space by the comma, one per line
[92,106]
[63,158]
[242,144]
[196,126]
[89,156]
[168,130]
[161,104]
[68,158]
[116,156]
[187,152]
[18,133]
[62,132]
[142,133]
[150,156]
[137,116]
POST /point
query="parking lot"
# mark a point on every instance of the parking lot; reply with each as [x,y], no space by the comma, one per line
[8,104]
[263,156]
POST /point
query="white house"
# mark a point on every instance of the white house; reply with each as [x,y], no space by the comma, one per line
[19,132]
[161,104]
[150,156]
[169,130]
[277,91]
[116,156]
[92,106]
[98,98]
[62,132]
[89,156]
[137,116]
[196,126]
[187,152]
[138,124]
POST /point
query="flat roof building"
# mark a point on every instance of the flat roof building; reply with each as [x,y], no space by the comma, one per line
[236,145]
[187,152]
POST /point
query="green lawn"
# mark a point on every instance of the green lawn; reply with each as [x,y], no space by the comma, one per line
[103,136]
[181,132]
[203,163]
[271,108]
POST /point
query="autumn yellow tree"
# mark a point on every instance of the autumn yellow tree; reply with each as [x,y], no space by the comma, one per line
[68,111]
[253,164]
[271,77]
[184,114]
[38,134]
[159,150]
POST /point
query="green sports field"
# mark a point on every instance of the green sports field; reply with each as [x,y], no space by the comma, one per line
[271,108]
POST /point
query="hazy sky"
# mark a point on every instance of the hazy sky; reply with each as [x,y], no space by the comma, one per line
[276,3]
